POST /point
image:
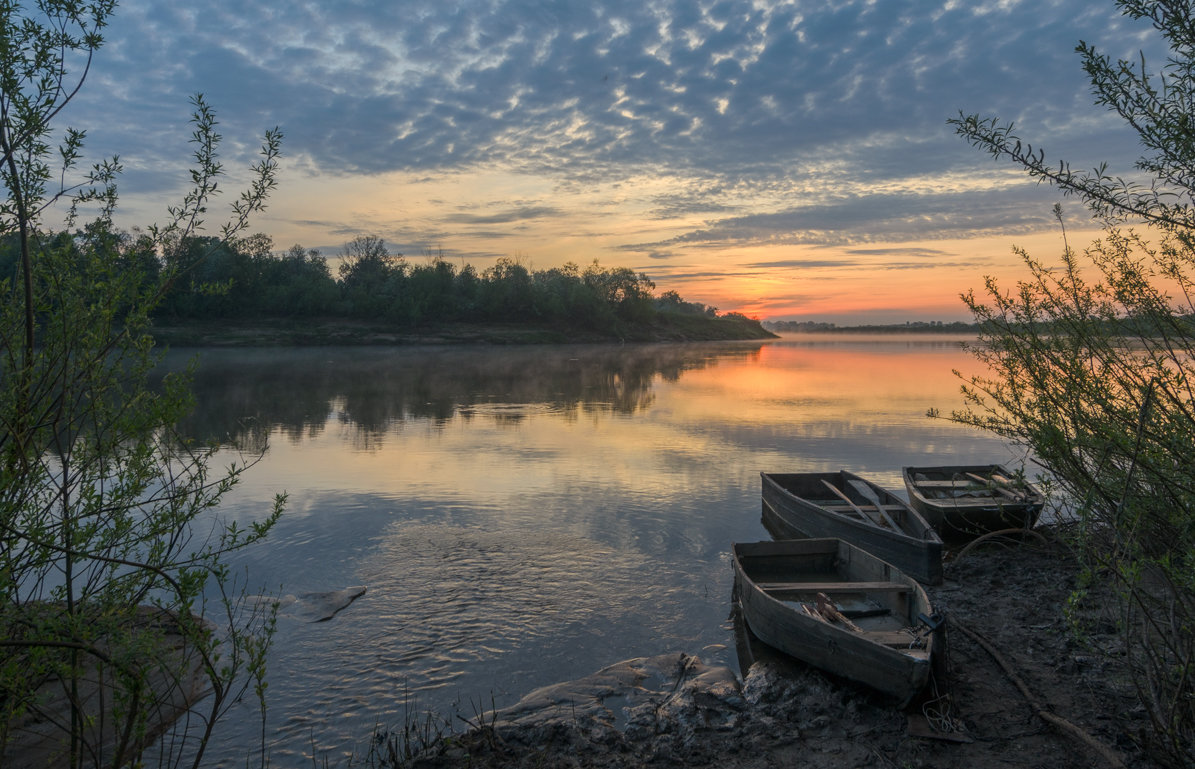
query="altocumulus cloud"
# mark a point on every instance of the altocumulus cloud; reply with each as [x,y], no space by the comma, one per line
[815,101]
[928,259]
[505,217]
[876,217]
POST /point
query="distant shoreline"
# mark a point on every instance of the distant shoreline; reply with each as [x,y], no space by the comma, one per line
[285,332]
[914,327]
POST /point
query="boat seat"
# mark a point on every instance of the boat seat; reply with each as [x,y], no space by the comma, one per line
[849,512]
[835,587]
[959,484]
[838,507]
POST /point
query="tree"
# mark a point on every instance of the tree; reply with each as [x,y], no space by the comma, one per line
[1092,366]
[506,291]
[627,293]
[108,584]
[561,297]
[299,283]
[431,289]
[369,276]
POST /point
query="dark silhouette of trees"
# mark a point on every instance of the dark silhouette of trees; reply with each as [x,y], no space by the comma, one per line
[245,279]
[371,279]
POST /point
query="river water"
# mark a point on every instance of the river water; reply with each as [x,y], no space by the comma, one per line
[526,515]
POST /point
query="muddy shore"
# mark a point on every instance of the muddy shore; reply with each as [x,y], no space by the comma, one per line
[1056,702]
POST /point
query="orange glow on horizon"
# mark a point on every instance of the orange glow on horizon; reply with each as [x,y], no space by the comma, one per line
[879,289]
[872,282]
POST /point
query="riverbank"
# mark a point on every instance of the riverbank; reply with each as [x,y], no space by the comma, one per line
[285,332]
[1006,597]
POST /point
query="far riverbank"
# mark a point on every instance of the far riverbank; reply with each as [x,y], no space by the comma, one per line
[285,332]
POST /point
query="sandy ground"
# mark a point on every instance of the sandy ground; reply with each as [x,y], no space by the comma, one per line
[1009,596]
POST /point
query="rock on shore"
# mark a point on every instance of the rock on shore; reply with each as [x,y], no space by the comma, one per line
[674,693]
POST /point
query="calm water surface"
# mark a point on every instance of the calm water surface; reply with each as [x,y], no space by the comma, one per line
[527,515]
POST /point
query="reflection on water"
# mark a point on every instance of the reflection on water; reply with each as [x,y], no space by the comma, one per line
[528,515]
[298,391]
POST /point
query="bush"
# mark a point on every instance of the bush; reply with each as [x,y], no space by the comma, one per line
[1092,367]
[106,586]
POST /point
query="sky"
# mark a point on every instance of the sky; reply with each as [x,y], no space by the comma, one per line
[788,160]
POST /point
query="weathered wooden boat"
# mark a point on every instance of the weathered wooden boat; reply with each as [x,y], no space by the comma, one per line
[841,504]
[970,500]
[841,609]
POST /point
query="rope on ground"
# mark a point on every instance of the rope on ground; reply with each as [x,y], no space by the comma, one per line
[1041,712]
[992,535]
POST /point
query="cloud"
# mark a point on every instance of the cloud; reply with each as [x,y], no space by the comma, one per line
[785,264]
[928,253]
[866,218]
[483,234]
[867,264]
[368,88]
[788,301]
[735,102]
[525,213]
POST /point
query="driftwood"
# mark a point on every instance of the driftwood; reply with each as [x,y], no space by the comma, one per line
[993,535]
[827,609]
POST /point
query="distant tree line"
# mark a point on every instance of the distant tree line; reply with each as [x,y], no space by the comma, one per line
[935,326]
[1130,327]
[246,279]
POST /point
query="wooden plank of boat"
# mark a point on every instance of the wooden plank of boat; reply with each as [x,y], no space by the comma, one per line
[834,587]
[884,650]
[798,505]
[850,509]
[998,488]
[869,494]
[895,638]
[961,483]
[959,503]
[862,514]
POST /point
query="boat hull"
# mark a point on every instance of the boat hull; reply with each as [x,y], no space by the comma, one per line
[799,505]
[958,505]
[775,580]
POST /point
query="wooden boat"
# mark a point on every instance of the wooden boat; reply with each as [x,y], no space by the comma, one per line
[841,504]
[839,608]
[969,500]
